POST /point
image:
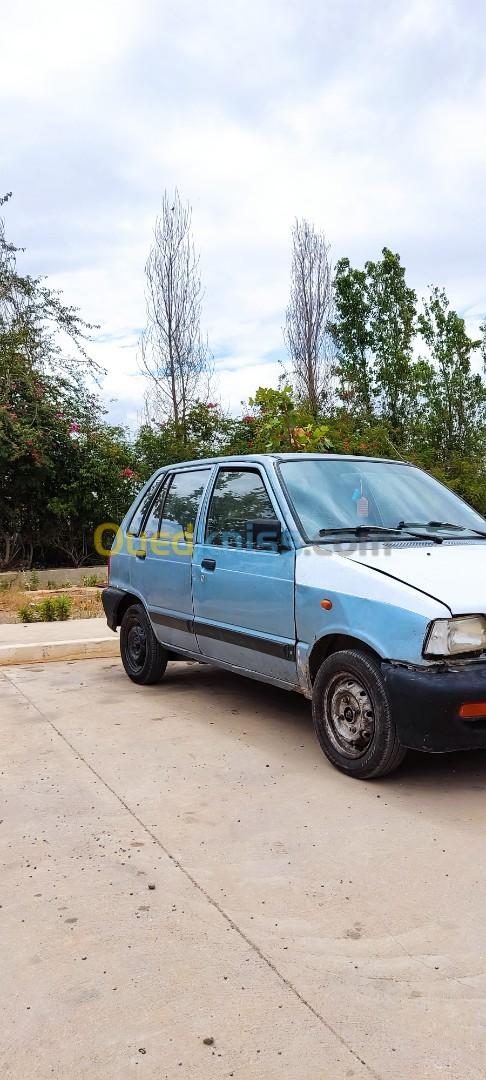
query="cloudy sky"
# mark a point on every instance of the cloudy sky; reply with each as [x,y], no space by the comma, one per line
[366,116]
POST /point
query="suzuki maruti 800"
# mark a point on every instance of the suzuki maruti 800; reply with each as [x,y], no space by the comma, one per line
[358,582]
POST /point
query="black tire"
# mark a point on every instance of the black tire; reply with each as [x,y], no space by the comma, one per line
[352,716]
[143,658]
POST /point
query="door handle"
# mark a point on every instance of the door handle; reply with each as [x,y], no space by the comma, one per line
[208,564]
[141,554]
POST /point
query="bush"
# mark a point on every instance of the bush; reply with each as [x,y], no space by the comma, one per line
[46,609]
[27,613]
[63,607]
[51,609]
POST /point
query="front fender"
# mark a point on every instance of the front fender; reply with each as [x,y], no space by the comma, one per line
[387,615]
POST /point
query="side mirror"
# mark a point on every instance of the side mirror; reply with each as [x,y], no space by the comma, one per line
[264,534]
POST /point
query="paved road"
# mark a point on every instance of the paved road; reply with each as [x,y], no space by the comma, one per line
[315,927]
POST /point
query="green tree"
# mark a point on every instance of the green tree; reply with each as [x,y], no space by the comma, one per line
[61,467]
[352,336]
[374,332]
[453,397]
[392,329]
[208,432]
[278,423]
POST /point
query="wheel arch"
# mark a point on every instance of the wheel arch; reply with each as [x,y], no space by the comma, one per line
[331,643]
[124,603]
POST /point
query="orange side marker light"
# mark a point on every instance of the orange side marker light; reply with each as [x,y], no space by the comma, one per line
[326,604]
[473,710]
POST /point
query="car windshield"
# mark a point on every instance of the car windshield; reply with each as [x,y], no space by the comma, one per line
[335,494]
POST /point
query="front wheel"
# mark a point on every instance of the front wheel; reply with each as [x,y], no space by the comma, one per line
[352,716]
[143,657]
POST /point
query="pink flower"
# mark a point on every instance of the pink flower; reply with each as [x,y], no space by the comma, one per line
[74,428]
[248,419]
[127,473]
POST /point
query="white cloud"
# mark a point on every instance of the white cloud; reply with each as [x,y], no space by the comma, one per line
[366,117]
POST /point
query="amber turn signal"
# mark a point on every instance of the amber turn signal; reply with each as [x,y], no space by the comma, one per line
[326,604]
[473,710]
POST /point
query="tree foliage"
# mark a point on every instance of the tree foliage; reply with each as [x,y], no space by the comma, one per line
[60,465]
[409,383]
[374,333]
[453,396]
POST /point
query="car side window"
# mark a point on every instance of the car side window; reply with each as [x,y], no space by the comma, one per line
[139,515]
[151,527]
[182,504]
[239,496]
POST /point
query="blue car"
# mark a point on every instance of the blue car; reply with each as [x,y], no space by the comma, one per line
[356,581]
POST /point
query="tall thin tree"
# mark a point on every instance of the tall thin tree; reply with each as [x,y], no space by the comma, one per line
[308,314]
[174,355]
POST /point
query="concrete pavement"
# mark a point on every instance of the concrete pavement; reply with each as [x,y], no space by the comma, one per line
[74,639]
[311,925]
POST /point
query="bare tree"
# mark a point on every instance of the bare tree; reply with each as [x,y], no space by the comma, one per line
[307,318]
[173,353]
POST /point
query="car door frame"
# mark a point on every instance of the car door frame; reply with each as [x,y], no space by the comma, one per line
[174,630]
[267,644]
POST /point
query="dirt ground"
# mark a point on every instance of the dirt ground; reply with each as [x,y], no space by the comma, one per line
[190,890]
[86,602]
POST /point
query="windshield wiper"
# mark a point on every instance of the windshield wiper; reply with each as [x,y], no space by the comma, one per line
[457,528]
[379,530]
[439,525]
[359,530]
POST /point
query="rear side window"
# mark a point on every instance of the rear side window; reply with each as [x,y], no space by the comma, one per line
[139,515]
[239,496]
[152,523]
[182,504]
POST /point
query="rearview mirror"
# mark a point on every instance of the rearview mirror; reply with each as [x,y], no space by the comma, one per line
[264,534]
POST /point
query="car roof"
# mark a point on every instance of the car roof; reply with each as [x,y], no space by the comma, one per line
[261,459]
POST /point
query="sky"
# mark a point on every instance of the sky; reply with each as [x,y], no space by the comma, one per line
[368,117]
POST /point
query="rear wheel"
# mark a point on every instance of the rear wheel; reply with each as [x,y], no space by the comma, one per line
[144,659]
[352,716]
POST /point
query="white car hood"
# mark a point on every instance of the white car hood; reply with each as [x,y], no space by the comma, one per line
[455,574]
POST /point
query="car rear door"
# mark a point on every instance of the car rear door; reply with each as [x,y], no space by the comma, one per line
[163,572]
[244,592]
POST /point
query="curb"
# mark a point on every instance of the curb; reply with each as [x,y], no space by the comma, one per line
[39,653]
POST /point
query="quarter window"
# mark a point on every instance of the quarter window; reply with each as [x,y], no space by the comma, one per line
[139,515]
[239,496]
[152,523]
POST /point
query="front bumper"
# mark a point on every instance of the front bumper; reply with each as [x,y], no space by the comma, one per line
[425,706]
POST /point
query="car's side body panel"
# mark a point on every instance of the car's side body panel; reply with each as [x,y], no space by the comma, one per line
[388,616]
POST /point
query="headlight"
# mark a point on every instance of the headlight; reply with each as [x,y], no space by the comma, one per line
[451,637]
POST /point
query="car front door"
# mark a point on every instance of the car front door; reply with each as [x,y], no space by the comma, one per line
[165,572]
[243,585]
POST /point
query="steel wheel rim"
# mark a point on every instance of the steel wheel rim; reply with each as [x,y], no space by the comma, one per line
[349,716]
[136,646]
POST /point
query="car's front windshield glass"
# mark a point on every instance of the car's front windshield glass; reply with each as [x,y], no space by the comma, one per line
[332,494]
